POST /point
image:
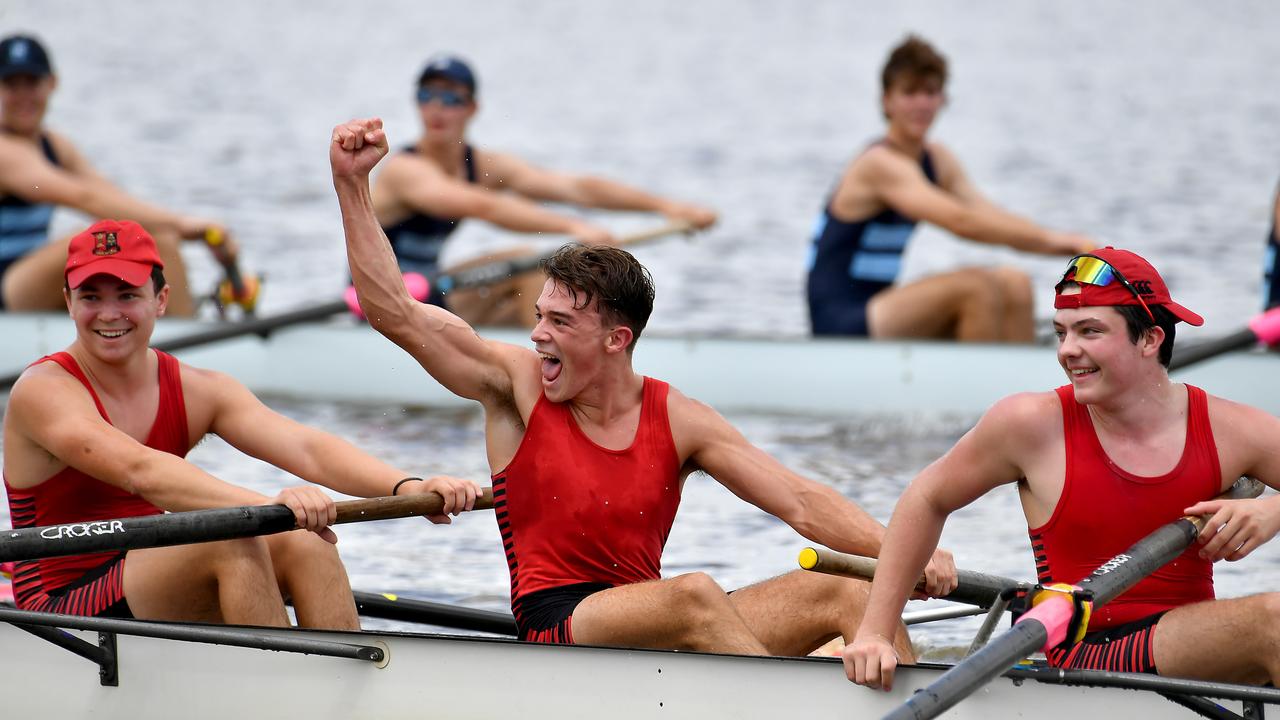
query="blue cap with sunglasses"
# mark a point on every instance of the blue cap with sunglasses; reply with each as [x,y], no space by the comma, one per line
[449,67]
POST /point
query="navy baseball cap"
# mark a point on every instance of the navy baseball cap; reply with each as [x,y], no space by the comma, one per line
[449,67]
[23,55]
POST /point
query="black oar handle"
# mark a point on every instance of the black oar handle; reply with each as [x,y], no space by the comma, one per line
[196,526]
[143,532]
[974,588]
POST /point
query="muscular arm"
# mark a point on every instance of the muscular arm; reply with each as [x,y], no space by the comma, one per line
[56,425]
[814,510]
[955,206]
[989,455]
[448,348]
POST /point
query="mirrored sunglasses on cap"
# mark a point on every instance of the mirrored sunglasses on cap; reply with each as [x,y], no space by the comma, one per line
[447,98]
[1091,270]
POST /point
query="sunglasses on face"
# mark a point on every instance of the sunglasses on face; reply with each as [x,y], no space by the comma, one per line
[1092,270]
[447,98]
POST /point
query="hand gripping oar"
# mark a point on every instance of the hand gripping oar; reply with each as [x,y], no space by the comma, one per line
[974,588]
[1263,328]
[1059,609]
[197,526]
[236,289]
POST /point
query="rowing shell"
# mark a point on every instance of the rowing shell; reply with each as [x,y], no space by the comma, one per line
[346,362]
[403,675]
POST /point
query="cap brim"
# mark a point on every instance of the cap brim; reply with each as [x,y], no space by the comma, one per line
[133,273]
[34,70]
[1184,314]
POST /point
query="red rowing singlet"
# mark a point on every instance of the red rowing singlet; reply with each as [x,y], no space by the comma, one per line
[571,511]
[1104,510]
[72,496]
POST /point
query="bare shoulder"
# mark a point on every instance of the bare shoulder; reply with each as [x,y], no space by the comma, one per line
[1029,416]
[46,395]
[406,167]
[1233,421]
[693,421]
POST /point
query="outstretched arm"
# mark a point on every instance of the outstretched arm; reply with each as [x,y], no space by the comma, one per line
[313,455]
[591,191]
[957,206]
[27,173]
[413,183]
[816,511]
[447,347]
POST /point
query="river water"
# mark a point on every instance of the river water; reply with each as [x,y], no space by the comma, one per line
[1148,124]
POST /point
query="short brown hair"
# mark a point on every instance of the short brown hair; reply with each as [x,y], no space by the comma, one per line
[613,278]
[915,60]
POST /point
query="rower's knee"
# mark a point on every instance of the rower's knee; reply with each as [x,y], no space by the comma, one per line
[242,558]
[703,604]
[1016,286]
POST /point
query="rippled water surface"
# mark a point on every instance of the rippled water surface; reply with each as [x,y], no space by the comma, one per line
[1151,125]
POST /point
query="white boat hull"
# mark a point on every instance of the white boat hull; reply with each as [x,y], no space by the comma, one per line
[345,362]
[456,677]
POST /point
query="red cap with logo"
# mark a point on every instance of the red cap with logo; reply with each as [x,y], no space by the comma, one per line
[1109,276]
[112,247]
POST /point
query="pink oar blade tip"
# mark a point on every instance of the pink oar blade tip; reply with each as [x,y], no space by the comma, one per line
[1267,326]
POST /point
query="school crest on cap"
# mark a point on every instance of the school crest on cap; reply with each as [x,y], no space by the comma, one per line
[105,243]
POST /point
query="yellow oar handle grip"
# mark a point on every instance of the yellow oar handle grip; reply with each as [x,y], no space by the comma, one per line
[213,236]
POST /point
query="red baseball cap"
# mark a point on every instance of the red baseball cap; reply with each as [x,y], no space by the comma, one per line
[1120,278]
[112,247]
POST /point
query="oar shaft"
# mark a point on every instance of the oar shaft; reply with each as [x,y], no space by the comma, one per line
[258,326]
[394,607]
[196,526]
[974,588]
[977,670]
[1198,353]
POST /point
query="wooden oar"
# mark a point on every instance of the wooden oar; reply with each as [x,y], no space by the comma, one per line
[196,526]
[1045,625]
[1264,328]
[974,588]
[236,290]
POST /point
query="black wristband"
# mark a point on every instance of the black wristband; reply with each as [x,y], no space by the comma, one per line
[396,489]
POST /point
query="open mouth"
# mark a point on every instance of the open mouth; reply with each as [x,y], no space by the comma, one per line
[550,367]
[113,334]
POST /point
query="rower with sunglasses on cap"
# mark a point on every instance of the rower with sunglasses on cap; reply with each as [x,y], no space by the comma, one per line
[424,190]
[859,240]
[1100,463]
[41,170]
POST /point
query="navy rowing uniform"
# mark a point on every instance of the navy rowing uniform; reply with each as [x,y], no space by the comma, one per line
[24,225]
[419,239]
[850,262]
[1271,266]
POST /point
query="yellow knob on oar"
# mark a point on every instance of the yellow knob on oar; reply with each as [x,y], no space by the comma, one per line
[808,558]
[390,596]
[213,236]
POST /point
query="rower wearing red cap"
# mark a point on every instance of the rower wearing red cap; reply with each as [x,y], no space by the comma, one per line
[427,188]
[1100,463]
[41,169]
[100,430]
[862,234]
